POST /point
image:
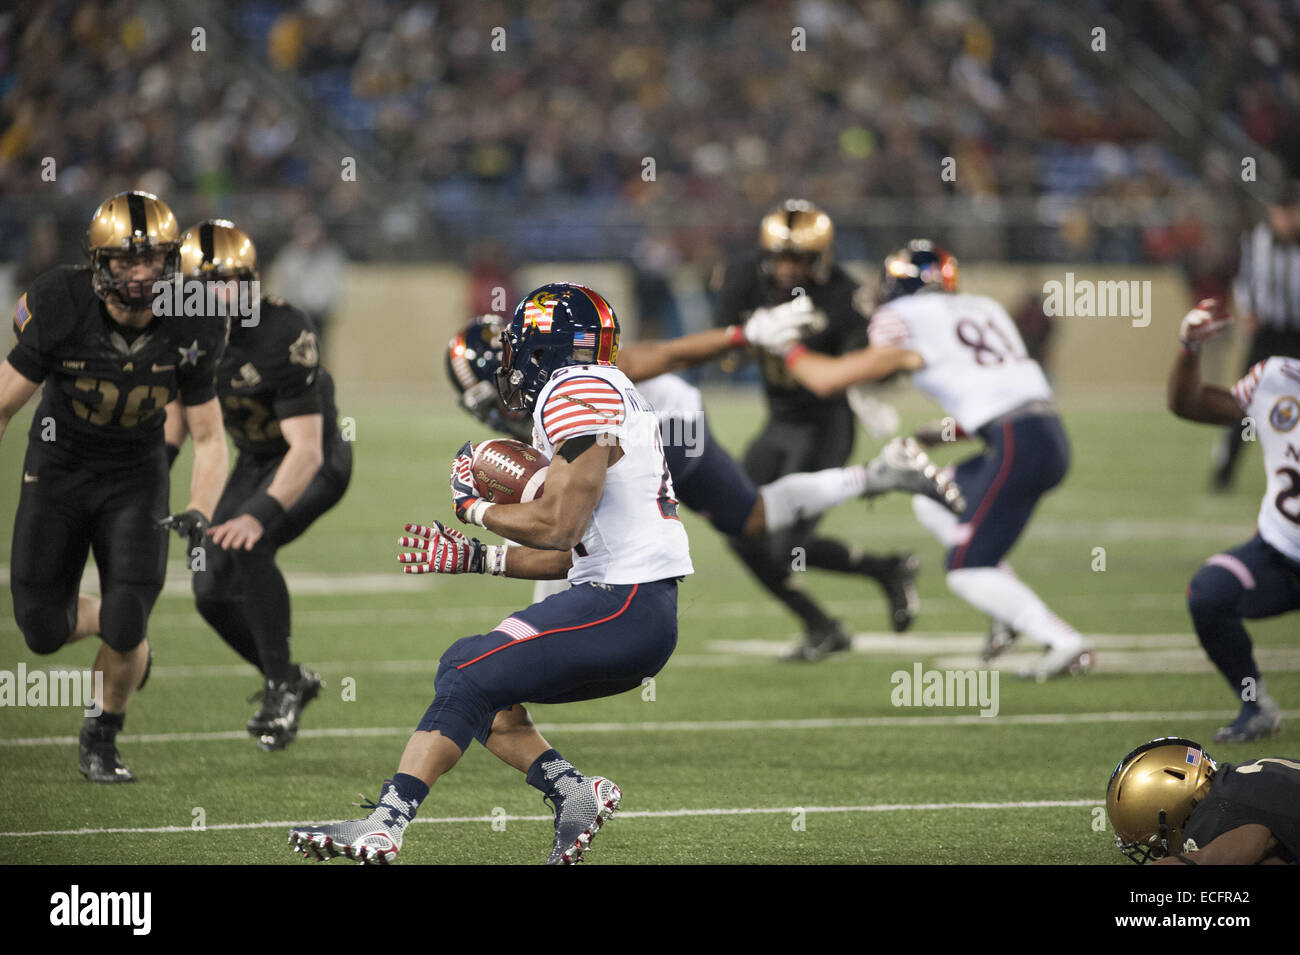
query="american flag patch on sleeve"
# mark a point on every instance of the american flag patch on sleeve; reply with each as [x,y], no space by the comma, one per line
[584,405]
[21,315]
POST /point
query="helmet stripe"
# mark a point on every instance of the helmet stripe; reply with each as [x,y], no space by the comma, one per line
[139,219]
[605,352]
[206,244]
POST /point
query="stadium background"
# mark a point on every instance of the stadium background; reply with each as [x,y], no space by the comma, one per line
[479,169]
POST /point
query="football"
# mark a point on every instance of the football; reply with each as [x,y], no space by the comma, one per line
[508,471]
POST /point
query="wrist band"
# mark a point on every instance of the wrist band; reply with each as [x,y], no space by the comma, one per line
[495,564]
[263,507]
[794,354]
[736,336]
[474,513]
[172,452]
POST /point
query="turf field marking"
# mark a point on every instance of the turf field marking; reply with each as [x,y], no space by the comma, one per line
[693,726]
[630,814]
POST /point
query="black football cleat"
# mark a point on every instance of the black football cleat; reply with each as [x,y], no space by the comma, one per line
[99,759]
[899,583]
[820,643]
[275,725]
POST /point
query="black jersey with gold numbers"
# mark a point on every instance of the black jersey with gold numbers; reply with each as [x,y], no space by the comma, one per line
[840,327]
[272,371]
[1263,791]
[106,385]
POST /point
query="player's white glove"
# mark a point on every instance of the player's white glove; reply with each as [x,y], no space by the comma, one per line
[1202,323]
[779,328]
[881,420]
[443,550]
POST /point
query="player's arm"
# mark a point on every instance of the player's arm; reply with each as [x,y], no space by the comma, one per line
[304,435]
[574,483]
[1190,398]
[1187,395]
[825,375]
[15,391]
[644,360]
[1245,845]
[211,457]
[529,563]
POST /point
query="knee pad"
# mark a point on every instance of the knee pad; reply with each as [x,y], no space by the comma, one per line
[1213,589]
[123,613]
[46,627]
[459,710]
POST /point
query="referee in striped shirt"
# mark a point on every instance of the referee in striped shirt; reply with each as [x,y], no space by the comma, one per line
[1267,294]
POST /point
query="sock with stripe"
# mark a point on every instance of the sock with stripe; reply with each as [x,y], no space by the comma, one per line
[1000,594]
[798,496]
[936,519]
[410,789]
[548,769]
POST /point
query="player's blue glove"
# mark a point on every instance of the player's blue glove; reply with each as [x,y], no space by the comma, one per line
[469,506]
[443,550]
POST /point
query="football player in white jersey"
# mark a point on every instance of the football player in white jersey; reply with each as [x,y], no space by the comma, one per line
[608,522]
[966,353]
[707,479]
[1261,578]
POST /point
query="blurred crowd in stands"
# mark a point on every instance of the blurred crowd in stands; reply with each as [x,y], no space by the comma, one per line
[653,131]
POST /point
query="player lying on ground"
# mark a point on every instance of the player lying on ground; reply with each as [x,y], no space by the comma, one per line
[966,353]
[1261,578]
[707,479]
[794,265]
[95,475]
[616,535]
[1169,801]
[293,466]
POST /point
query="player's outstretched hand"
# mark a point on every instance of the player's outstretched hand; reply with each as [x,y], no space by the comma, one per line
[442,550]
[469,506]
[779,328]
[191,524]
[1202,323]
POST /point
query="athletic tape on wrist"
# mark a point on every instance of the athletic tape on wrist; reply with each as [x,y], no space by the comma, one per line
[474,513]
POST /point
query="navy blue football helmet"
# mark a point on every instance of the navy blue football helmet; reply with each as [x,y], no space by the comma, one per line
[556,325]
[918,265]
[473,360]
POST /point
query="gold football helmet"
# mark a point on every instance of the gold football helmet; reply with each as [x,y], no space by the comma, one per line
[797,228]
[216,249]
[1152,794]
[129,225]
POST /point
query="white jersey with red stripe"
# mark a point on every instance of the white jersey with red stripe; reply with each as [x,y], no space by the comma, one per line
[634,535]
[976,364]
[1270,394]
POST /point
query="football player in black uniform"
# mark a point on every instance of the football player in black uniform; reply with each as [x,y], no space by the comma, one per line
[95,474]
[805,432]
[1168,800]
[293,466]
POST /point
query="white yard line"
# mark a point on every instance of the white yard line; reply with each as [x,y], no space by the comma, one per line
[695,726]
[643,814]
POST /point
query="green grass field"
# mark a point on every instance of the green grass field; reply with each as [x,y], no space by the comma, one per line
[715,767]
